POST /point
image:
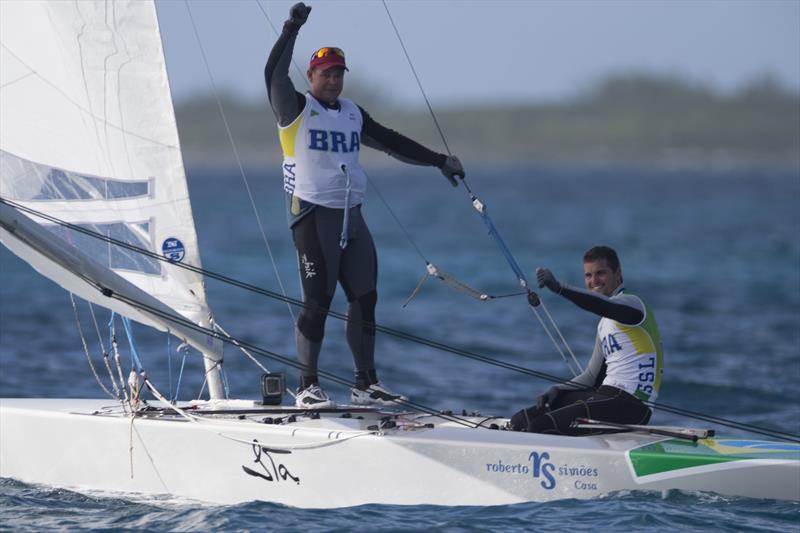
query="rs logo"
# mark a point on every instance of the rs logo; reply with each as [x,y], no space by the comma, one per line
[541,467]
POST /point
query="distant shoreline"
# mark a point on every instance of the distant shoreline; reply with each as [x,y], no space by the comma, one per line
[379,162]
[632,119]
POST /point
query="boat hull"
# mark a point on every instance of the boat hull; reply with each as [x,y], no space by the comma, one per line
[336,461]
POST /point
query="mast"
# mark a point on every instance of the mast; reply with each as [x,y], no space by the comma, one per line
[212,360]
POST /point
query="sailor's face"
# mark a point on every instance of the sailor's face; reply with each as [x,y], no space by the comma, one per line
[599,277]
[326,85]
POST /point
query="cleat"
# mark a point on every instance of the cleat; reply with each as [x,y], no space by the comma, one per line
[313,397]
[375,394]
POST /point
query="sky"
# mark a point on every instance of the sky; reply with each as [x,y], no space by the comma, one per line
[488,51]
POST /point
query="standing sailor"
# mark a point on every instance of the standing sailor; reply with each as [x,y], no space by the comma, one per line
[321,137]
[625,368]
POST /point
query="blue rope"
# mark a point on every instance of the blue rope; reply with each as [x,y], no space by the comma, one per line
[224,382]
[111,330]
[135,361]
[169,366]
[180,377]
[484,212]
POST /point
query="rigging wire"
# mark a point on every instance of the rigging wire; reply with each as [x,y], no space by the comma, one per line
[332,377]
[136,362]
[383,329]
[243,285]
[236,156]
[86,349]
[419,83]
[219,329]
[269,354]
[573,364]
[105,353]
[97,329]
[432,270]
[533,299]
[185,349]
[169,364]
[126,400]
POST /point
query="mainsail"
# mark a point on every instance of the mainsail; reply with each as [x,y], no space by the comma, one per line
[88,136]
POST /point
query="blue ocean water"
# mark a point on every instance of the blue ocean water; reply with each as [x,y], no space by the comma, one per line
[715,251]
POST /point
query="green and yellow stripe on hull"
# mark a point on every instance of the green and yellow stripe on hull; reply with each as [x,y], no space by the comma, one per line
[675,454]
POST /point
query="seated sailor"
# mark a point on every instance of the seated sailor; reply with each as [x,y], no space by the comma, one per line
[625,369]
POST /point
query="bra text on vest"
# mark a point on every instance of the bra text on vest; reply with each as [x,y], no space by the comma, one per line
[333,141]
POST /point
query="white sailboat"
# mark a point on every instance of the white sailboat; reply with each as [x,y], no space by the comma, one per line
[88,140]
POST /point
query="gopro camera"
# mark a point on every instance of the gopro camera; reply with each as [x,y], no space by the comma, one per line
[272,386]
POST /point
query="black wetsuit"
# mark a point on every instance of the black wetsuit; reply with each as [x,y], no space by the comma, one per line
[316,233]
[585,396]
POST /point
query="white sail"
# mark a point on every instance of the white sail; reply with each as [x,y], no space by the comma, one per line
[80,274]
[88,135]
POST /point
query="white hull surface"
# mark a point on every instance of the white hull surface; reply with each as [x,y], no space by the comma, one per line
[336,461]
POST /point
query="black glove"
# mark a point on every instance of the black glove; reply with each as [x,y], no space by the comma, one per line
[452,168]
[547,399]
[547,279]
[533,299]
[298,15]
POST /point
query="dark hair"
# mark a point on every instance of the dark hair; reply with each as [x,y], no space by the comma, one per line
[602,252]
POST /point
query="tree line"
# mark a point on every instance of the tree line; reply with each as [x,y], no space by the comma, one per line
[623,117]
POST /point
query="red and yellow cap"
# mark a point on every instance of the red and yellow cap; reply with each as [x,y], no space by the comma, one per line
[327,57]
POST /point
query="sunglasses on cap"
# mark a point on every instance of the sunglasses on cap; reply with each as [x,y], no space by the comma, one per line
[327,51]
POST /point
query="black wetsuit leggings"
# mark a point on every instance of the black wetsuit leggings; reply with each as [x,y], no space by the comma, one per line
[322,264]
[605,403]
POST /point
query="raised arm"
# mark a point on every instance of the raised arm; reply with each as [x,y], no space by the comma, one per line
[286,102]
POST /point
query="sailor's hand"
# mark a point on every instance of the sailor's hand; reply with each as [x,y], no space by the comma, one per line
[299,14]
[533,299]
[452,168]
[546,400]
[547,279]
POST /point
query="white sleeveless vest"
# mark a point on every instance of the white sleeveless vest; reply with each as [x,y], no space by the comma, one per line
[634,358]
[315,146]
